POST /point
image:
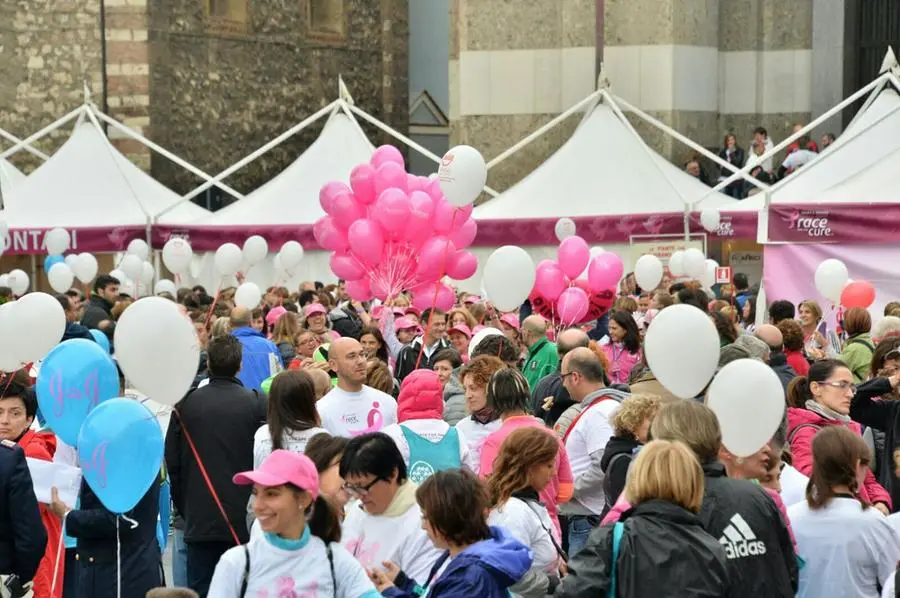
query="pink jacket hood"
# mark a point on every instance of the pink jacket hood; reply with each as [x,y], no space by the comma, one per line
[421,397]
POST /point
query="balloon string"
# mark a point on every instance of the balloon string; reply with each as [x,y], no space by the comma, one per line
[212,307]
[118,562]
[434,295]
[59,557]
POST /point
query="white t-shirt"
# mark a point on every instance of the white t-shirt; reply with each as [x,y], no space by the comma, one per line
[793,485]
[844,547]
[590,434]
[432,430]
[277,572]
[373,539]
[352,414]
[475,435]
[888,591]
[528,526]
[293,441]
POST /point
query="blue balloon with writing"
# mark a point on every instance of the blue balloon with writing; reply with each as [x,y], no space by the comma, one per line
[75,377]
[120,448]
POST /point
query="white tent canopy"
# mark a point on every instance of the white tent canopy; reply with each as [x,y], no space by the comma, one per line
[9,174]
[88,183]
[604,169]
[877,184]
[292,197]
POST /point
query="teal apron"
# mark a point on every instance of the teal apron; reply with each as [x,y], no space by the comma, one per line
[427,458]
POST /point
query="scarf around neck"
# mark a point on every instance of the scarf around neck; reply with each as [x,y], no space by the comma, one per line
[403,500]
[484,416]
[825,412]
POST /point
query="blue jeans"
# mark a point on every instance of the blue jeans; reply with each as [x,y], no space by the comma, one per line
[179,560]
[579,530]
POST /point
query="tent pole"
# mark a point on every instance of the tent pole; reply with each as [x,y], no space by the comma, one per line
[156,148]
[401,137]
[250,158]
[542,130]
[345,108]
[13,139]
[34,273]
[49,128]
[687,223]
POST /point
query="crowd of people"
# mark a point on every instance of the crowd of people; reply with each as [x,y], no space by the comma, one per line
[336,448]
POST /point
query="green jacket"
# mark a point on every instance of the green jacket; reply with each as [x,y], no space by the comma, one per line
[857,355]
[542,360]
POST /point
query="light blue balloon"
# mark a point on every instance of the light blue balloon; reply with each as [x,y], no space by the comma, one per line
[120,448]
[75,377]
[52,260]
[101,339]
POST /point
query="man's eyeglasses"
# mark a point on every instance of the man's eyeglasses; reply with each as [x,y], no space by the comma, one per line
[361,491]
[562,377]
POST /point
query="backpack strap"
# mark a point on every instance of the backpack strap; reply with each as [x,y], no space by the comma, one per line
[618,530]
[897,581]
[611,500]
[793,433]
[245,579]
[331,566]
[861,341]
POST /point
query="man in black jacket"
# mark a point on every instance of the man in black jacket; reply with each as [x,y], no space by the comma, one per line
[99,307]
[213,425]
[23,538]
[413,357]
[73,328]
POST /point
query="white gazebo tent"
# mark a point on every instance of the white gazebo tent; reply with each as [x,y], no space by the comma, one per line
[9,175]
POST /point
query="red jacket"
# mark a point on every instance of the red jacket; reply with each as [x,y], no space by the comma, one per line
[797,361]
[801,449]
[38,445]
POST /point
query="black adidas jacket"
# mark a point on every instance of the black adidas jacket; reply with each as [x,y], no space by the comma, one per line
[742,517]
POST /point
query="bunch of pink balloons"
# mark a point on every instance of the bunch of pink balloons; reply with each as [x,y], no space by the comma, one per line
[391,231]
[555,280]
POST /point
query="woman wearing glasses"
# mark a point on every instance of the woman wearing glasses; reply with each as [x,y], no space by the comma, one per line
[386,523]
[819,400]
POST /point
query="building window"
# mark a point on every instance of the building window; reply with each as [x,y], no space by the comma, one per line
[326,18]
[227,16]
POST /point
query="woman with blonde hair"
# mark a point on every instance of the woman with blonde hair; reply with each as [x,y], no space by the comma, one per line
[843,541]
[659,547]
[460,315]
[221,327]
[284,335]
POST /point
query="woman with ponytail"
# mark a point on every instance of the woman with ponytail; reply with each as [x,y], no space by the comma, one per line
[844,543]
[820,400]
[298,552]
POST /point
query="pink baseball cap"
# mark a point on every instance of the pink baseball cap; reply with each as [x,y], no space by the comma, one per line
[462,329]
[274,314]
[404,323]
[472,299]
[412,310]
[511,320]
[313,309]
[283,467]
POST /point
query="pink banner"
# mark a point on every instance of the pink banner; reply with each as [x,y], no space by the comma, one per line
[834,223]
[30,241]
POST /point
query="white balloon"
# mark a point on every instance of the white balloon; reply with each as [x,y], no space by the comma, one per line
[155,326]
[8,360]
[278,267]
[648,272]
[37,325]
[247,295]
[508,277]
[60,277]
[139,248]
[4,280]
[676,264]
[147,273]
[57,241]
[709,277]
[132,266]
[480,336]
[118,275]
[255,250]
[85,267]
[682,349]
[694,263]
[710,219]
[597,250]
[165,286]
[831,278]
[748,399]
[291,254]
[177,254]
[565,228]
[18,281]
[228,259]
[462,175]
[71,259]
[127,287]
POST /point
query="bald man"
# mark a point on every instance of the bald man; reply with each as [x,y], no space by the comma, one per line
[351,408]
[549,398]
[777,360]
[261,357]
[542,358]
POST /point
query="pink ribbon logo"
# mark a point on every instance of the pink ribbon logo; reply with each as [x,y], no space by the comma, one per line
[375,421]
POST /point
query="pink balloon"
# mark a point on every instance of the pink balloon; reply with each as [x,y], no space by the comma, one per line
[328,236]
[329,192]
[358,290]
[604,271]
[447,217]
[392,210]
[362,181]
[433,188]
[462,266]
[345,266]
[389,174]
[413,183]
[572,305]
[380,289]
[422,205]
[436,295]
[549,280]
[434,257]
[463,212]
[346,210]
[366,239]
[573,255]
[465,234]
[386,154]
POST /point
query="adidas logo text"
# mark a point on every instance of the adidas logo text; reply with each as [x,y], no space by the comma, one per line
[739,541]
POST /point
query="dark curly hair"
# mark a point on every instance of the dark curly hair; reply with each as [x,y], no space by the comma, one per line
[792,333]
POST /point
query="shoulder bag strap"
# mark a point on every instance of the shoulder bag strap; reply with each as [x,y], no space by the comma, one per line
[331,566]
[798,428]
[246,577]
[581,413]
[618,530]
[562,553]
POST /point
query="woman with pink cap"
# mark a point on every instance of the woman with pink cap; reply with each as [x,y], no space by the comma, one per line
[316,321]
[298,553]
